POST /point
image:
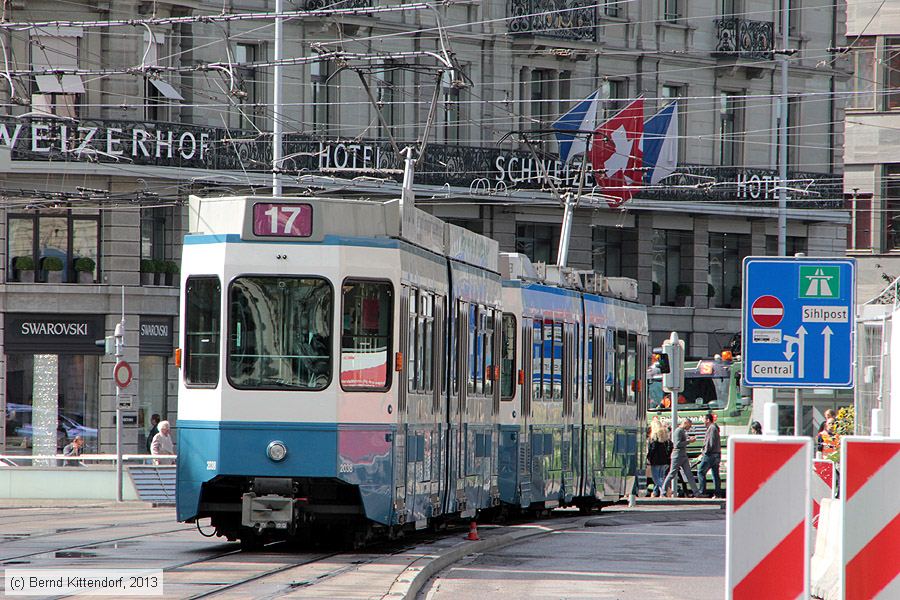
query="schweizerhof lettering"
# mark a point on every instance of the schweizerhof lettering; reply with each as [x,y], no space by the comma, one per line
[29,328]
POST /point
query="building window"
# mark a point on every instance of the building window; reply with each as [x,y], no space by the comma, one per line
[729,8]
[51,398]
[386,86]
[859,232]
[611,8]
[322,92]
[249,102]
[670,94]
[607,251]
[891,208]
[891,64]
[614,92]
[794,12]
[53,241]
[154,224]
[672,9]
[537,241]
[729,129]
[667,268]
[792,245]
[726,253]
[159,94]
[542,99]
[794,130]
[52,51]
[863,74]
[153,397]
[451,109]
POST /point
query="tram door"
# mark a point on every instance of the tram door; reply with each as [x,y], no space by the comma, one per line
[531,339]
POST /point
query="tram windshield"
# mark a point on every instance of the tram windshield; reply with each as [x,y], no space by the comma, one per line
[280,333]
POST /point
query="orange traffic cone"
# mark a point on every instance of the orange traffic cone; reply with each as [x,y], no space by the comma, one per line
[473,532]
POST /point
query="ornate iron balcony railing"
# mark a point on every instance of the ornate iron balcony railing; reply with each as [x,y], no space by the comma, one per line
[742,38]
[562,19]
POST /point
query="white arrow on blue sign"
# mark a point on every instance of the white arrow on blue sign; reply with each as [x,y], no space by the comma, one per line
[798,322]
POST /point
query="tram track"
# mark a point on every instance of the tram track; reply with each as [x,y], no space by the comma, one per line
[6,560]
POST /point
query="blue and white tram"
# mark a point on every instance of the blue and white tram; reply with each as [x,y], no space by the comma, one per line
[362,367]
[335,368]
[571,422]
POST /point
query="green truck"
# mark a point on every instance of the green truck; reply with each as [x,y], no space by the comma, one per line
[710,385]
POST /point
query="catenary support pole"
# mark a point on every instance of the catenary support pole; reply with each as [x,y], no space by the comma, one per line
[276,99]
[782,132]
[120,353]
[798,413]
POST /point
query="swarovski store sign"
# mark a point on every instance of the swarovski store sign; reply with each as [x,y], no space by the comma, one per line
[58,334]
[156,335]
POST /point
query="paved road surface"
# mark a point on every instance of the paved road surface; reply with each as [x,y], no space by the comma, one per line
[664,554]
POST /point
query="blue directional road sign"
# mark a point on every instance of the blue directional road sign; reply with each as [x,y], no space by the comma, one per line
[798,321]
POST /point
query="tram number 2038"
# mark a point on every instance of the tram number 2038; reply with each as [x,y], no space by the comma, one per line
[346,467]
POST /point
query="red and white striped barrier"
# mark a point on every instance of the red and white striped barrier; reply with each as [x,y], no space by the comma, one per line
[768,517]
[821,486]
[870,486]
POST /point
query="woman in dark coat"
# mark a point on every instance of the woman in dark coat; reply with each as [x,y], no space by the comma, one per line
[659,454]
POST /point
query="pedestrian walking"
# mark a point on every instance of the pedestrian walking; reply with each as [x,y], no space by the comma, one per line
[154,421]
[75,448]
[162,444]
[680,460]
[659,454]
[710,456]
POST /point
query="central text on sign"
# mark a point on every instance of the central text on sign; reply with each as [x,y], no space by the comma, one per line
[773,368]
[825,314]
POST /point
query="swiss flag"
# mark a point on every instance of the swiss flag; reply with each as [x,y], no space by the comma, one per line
[615,153]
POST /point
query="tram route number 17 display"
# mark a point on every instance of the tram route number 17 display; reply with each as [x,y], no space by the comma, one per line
[282,220]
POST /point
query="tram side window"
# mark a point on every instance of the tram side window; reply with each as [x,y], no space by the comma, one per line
[631,370]
[547,392]
[621,338]
[203,298]
[589,374]
[537,344]
[366,334]
[508,358]
[280,333]
[487,324]
[558,360]
[609,366]
[420,364]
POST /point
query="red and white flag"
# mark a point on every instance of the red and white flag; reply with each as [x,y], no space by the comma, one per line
[616,156]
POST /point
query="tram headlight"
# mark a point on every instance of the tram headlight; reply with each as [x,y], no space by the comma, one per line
[276,451]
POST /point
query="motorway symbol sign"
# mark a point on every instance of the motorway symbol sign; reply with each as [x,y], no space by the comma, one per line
[767,311]
[799,321]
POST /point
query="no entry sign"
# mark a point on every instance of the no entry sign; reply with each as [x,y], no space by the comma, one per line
[122,374]
[767,311]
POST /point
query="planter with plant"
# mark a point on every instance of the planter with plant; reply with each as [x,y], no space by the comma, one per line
[657,290]
[24,269]
[170,268]
[148,271]
[52,268]
[84,269]
[682,292]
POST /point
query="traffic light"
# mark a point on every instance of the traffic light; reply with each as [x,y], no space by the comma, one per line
[108,344]
[662,361]
[673,351]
